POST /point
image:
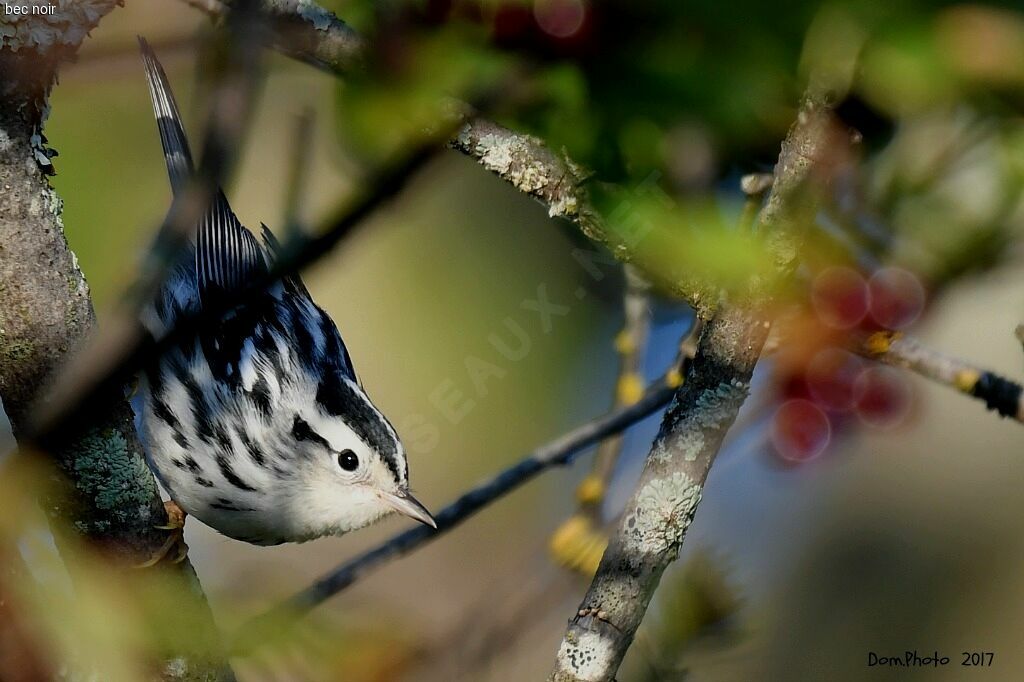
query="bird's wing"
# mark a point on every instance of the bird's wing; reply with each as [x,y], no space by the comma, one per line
[335,350]
[273,249]
[227,255]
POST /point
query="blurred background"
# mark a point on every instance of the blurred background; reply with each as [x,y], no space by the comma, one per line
[892,528]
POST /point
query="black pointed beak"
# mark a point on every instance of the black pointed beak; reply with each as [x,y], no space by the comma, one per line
[405,503]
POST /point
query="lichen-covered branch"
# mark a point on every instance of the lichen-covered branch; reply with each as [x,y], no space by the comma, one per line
[45,310]
[659,513]
[107,494]
[303,30]
[527,164]
[896,349]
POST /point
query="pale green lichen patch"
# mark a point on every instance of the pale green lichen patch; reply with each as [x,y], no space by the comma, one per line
[687,443]
[587,655]
[567,205]
[713,409]
[662,512]
[176,668]
[107,472]
[15,352]
[716,406]
[510,156]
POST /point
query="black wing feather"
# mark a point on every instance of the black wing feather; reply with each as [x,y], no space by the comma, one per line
[227,254]
[293,282]
[335,350]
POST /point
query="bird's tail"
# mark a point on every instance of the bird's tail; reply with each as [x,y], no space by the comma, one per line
[168,120]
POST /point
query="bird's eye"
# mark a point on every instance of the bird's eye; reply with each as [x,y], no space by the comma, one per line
[347,460]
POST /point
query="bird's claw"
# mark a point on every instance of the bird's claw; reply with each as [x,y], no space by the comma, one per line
[175,541]
[175,516]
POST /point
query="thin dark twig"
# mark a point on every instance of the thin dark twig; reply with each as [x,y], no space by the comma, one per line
[297,253]
[1000,394]
[98,369]
[560,451]
[298,169]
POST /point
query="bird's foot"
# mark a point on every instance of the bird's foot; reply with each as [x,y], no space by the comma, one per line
[593,612]
[174,547]
[175,516]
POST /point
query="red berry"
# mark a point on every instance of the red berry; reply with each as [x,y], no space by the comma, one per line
[560,18]
[800,431]
[840,297]
[897,297]
[831,375]
[883,397]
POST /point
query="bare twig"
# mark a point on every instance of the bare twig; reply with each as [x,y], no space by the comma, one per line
[297,253]
[754,186]
[631,344]
[659,513]
[896,349]
[579,541]
[298,168]
[560,451]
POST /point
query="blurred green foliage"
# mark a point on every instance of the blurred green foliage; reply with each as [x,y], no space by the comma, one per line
[686,95]
[681,96]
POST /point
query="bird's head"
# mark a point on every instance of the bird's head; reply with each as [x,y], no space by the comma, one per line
[354,469]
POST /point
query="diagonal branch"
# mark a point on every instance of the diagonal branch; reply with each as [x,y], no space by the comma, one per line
[132,354]
[658,515]
[95,368]
[303,30]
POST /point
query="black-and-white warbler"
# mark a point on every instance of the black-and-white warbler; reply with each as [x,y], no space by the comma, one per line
[258,426]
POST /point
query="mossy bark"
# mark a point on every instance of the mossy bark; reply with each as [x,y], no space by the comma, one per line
[104,493]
